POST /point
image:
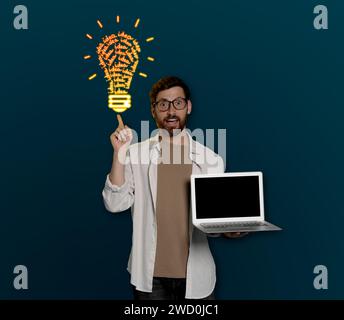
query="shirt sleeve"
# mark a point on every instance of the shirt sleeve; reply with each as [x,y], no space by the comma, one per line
[120,198]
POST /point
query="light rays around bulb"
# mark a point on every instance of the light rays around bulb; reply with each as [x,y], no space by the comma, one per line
[100,24]
[92,76]
[149,39]
[137,22]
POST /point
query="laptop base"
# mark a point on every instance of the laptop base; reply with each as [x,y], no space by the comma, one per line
[237,227]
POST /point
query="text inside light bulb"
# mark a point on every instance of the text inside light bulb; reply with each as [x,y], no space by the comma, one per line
[118,56]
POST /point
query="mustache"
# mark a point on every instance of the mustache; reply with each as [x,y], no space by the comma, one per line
[172,118]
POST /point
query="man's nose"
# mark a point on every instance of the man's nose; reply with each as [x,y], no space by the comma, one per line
[171,110]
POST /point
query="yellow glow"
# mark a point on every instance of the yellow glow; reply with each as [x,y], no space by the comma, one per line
[119,102]
[117,19]
[150,39]
[143,75]
[89,36]
[150,59]
[92,76]
[100,24]
[87,57]
[137,22]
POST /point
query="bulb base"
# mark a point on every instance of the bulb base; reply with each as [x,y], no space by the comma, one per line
[119,102]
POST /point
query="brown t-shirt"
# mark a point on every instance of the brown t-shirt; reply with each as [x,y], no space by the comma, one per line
[172,211]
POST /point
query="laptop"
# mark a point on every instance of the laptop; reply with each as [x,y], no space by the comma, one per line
[229,202]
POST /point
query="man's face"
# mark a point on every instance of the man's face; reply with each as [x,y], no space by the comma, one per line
[172,118]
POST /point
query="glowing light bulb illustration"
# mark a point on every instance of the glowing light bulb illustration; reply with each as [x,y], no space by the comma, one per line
[118,56]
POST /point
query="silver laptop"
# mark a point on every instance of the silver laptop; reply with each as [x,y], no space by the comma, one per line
[229,202]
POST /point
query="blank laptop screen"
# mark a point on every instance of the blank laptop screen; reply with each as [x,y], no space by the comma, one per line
[227,197]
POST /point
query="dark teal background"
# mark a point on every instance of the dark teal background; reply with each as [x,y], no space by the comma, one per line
[257,68]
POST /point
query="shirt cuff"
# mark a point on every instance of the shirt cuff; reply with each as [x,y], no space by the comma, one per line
[114,187]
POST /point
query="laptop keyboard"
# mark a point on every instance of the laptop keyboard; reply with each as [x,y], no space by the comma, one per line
[233,225]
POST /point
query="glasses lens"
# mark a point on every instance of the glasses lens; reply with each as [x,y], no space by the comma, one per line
[163,105]
[179,103]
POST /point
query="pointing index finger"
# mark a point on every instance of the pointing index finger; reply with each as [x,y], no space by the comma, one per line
[120,121]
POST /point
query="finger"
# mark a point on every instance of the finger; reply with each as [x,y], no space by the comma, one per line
[241,234]
[127,128]
[118,136]
[123,135]
[114,134]
[120,121]
[229,234]
[129,133]
[233,234]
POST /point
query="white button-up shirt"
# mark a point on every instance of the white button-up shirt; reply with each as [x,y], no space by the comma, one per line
[139,192]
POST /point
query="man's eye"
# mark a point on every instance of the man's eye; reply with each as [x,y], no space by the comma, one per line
[163,104]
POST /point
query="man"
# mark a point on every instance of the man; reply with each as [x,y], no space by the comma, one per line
[170,259]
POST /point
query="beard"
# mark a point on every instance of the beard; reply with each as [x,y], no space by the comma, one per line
[173,124]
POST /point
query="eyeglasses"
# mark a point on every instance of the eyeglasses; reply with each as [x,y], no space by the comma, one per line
[178,103]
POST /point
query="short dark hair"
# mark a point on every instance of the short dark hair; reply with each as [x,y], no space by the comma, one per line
[167,83]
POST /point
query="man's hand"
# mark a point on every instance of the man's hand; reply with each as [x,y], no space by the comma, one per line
[120,140]
[234,235]
[122,136]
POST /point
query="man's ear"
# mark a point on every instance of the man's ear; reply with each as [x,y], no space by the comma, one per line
[189,106]
[153,112]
